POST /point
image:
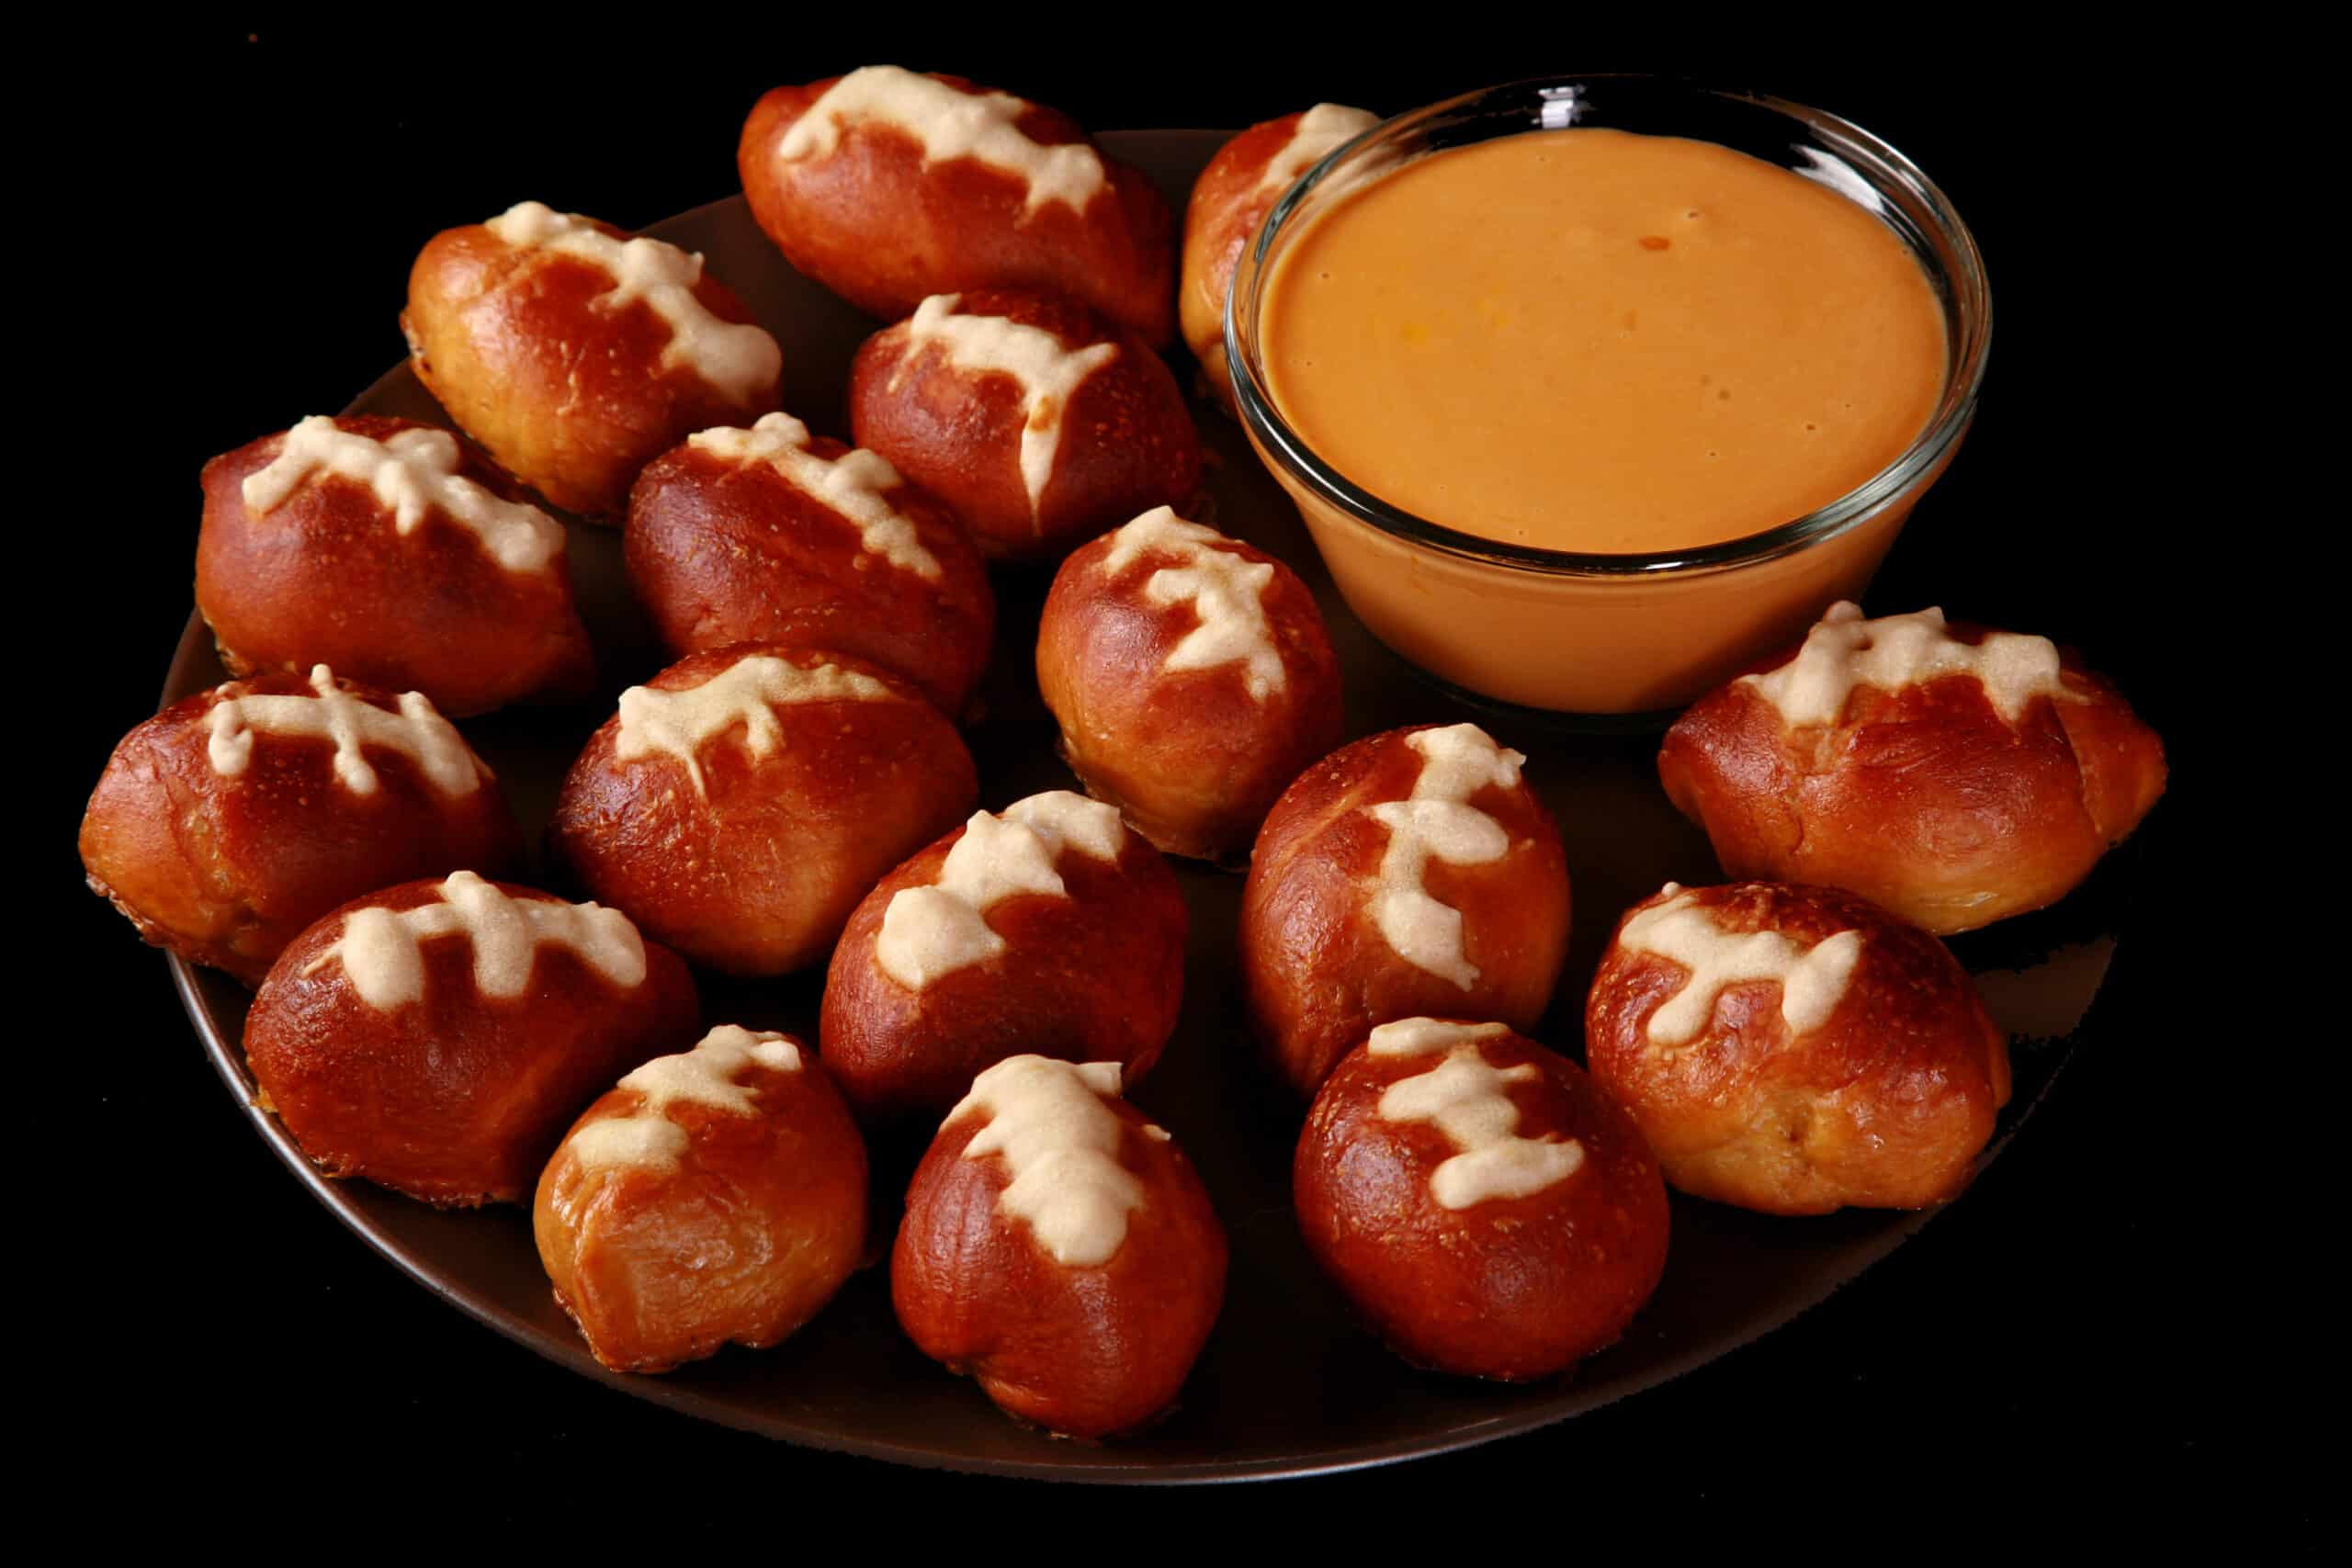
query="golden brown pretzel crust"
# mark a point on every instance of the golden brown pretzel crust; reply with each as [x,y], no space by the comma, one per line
[742,1242]
[875,226]
[571,398]
[1127,442]
[1925,800]
[457,1099]
[1189,756]
[1886,1105]
[1098,976]
[226,870]
[1315,972]
[324,579]
[1086,1353]
[756,874]
[1223,212]
[720,553]
[1511,1288]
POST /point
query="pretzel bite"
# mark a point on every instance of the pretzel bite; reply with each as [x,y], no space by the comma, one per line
[1038,422]
[885,186]
[1230,199]
[1059,1247]
[1046,927]
[716,1197]
[739,805]
[1488,1208]
[437,1037]
[234,818]
[385,548]
[771,535]
[1412,873]
[576,355]
[1795,1050]
[1192,677]
[1953,774]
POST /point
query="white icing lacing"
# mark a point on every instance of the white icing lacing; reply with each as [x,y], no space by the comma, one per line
[949,124]
[413,472]
[382,952]
[704,1076]
[1225,590]
[1060,1144]
[936,930]
[1844,652]
[1318,130]
[738,359]
[1049,374]
[1812,980]
[852,485]
[417,732]
[1464,1095]
[1419,1037]
[1436,822]
[678,724]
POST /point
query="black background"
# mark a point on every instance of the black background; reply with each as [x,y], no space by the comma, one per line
[2048,1341]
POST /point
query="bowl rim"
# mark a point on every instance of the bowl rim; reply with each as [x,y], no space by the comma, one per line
[1961,284]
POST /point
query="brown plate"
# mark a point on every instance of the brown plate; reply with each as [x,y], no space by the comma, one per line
[1289,1384]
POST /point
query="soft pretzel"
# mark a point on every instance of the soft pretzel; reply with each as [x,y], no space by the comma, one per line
[886,185]
[1191,678]
[716,1197]
[437,1037]
[576,355]
[1489,1209]
[231,821]
[1410,873]
[1039,422]
[1059,1248]
[1230,199]
[773,534]
[383,547]
[1796,1049]
[1046,927]
[1953,774]
[743,800]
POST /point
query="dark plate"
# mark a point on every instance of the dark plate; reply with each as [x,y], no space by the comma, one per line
[1289,1384]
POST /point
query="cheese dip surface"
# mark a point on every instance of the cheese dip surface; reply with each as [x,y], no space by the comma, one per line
[1596,340]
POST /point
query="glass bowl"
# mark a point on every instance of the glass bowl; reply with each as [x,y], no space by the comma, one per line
[1611,635]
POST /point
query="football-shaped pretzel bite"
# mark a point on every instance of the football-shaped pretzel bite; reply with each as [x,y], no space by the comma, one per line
[576,355]
[885,186]
[437,1037]
[1796,1049]
[1038,422]
[1045,929]
[771,535]
[1411,873]
[1191,678]
[1486,1206]
[1059,1247]
[716,1197]
[1952,774]
[234,819]
[382,547]
[1230,199]
[742,802]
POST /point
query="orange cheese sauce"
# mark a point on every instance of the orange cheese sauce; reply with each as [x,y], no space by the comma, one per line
[1596,340]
